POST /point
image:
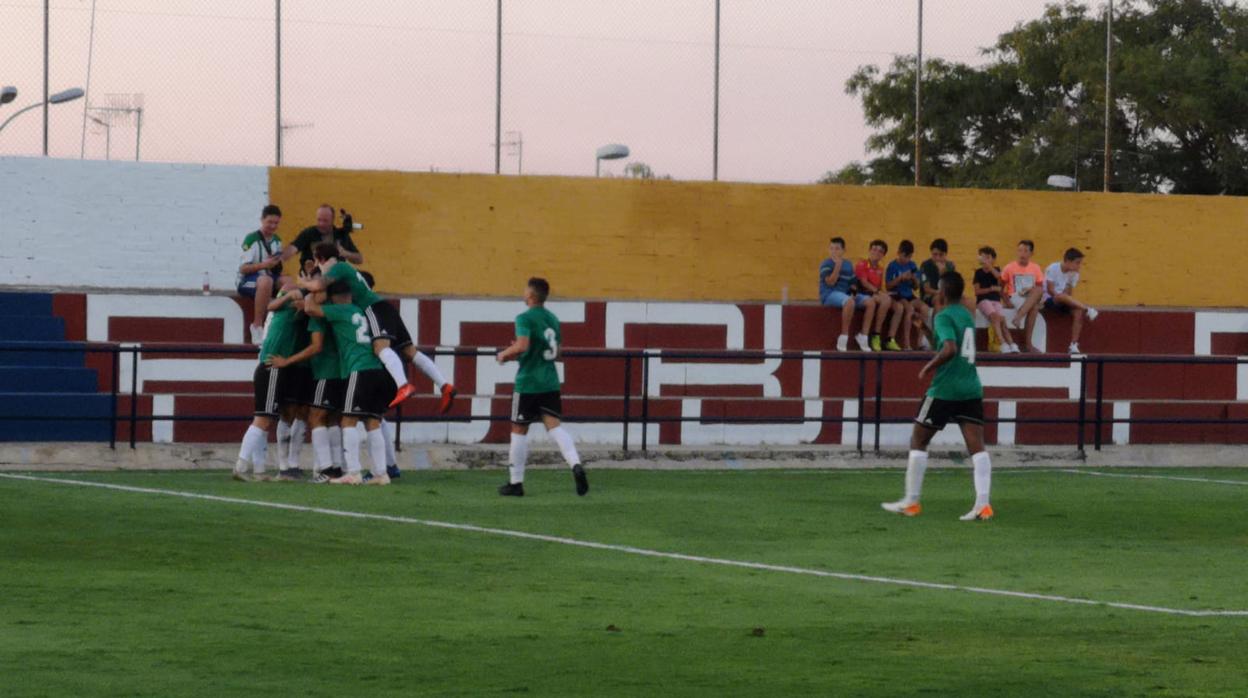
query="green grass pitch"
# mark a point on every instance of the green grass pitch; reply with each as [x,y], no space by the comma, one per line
[120,593]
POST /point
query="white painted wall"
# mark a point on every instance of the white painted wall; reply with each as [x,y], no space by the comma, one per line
[87,223]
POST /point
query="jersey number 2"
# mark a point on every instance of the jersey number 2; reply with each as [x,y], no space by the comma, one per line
[553,351]
[361,328]
[968,346]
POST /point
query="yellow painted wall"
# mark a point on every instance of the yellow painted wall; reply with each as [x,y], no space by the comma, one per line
[479,235]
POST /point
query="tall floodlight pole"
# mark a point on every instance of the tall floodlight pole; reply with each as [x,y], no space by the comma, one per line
[715,134]
[498,89]
[1109,88]
[918,103]
[82,145]
[46,96]
[278,80]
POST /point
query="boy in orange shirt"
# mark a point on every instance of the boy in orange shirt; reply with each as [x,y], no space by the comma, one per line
[1024,288]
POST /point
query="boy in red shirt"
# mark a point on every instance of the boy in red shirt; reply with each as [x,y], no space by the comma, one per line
[870,275]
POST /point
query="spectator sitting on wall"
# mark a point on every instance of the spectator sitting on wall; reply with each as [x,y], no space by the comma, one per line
[1024,288]
[870,276]
[987,284]
[837,286]
[902,281]
[260,268]
[324,231]
[930,272]
[1060,280]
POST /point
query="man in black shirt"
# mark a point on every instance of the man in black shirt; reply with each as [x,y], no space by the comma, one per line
[324,231]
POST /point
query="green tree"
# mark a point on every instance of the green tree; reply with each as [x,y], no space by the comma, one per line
[1036,107]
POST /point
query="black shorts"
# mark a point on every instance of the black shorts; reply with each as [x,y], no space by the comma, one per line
[268,384]
[297,385]
[936,414]
[1056,307]
[527,408]
[384,322]
[368,393]
[329,393]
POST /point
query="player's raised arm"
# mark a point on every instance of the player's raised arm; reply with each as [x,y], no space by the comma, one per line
[311,307]
[290,294]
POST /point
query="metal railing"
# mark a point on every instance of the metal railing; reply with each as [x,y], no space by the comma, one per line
[631,357]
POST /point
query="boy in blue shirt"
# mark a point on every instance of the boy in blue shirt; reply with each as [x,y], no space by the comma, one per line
[836,290]
[902,281]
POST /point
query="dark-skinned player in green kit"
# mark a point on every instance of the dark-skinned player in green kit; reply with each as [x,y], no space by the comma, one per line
[384,323]
[536,395]
[956,395]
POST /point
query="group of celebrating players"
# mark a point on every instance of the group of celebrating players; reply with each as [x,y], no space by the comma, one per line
[328,361]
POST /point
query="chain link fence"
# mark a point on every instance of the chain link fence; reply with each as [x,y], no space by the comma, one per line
[414,84]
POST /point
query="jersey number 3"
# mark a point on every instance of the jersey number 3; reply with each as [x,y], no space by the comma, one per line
[552,343]
[968,346]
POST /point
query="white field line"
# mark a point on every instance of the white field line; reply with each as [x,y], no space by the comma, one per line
[1241,483]
[1195,613]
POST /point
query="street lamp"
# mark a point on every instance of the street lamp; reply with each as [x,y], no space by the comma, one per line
[8,94]
[611,151]
[1061,182]
[59,98]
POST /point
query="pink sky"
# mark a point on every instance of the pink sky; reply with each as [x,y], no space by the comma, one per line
[409,84]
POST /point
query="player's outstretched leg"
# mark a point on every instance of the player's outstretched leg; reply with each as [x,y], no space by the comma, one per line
[916,467]
[518,455]
[430,369]
[974,435]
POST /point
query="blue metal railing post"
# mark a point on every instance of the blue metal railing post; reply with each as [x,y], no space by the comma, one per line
[134,395]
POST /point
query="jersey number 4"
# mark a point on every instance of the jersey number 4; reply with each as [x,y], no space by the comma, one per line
[552,343]
[968,346]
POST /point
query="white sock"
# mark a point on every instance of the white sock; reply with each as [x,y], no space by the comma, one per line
[519,454]
[253,443]
[983,477]
[261,456]
[394,365]
[566,445]
[283,443]
[335,446]
[915,469]
[297,429]
[351,447]
[387,429]
[377,451]
[427,367]
[320,448]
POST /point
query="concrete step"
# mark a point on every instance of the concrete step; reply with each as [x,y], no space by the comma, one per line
[25,303]
[31,328]
[58,406]
[40,354]
[45,379]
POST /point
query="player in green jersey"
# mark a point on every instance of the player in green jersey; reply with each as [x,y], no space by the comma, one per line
[384,323]
[271,386]
[328,391]
[956,395]
[536,395]
[296,381]
[369,389]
